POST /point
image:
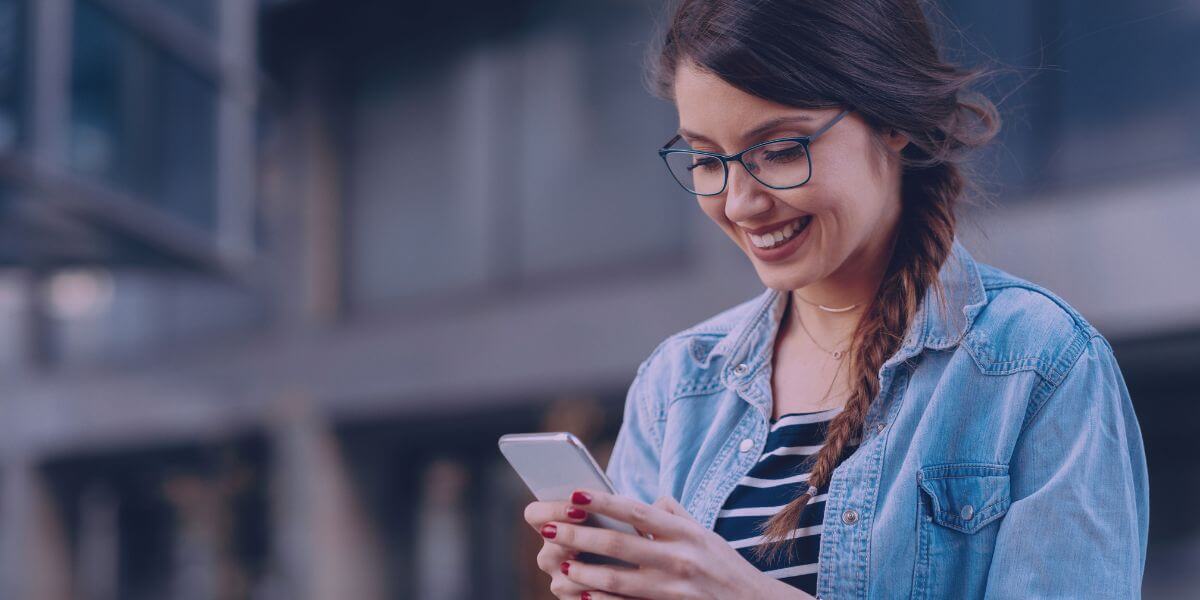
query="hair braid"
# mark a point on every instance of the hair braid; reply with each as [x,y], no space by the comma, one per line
[922,245]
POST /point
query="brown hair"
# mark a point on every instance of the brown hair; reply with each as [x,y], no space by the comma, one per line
[878,57]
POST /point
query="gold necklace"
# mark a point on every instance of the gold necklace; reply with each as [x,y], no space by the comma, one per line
[826,308]
[836,354]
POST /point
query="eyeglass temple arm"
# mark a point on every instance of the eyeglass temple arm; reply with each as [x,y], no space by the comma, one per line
[831,123]
[818,132]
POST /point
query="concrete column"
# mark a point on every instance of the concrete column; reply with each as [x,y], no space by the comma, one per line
[324,542]
[34,551]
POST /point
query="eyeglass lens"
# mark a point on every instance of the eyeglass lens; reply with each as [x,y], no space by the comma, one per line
[778,164]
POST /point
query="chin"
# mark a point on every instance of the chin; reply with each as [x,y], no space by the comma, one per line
[779,280]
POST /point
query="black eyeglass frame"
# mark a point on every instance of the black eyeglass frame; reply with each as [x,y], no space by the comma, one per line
[805,140]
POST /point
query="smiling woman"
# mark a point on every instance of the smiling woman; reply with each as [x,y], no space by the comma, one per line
[890,418]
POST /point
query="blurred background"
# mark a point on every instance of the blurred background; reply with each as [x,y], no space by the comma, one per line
[276,275]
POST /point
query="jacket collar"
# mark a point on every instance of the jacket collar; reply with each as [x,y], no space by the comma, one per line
[750,343]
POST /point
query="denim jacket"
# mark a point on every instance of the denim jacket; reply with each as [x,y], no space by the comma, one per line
[1001,458]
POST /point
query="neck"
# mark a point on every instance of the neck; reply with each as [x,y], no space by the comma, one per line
[854,284]
[832,330]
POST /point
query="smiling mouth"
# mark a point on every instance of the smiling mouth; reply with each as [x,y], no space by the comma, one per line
[782,235]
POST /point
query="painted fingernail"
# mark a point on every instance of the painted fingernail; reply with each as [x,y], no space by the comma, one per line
[577,513]
[565,566]
[549,529]
[581,498]
[585,596]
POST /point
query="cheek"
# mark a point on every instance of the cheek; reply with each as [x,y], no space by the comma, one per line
[833,220]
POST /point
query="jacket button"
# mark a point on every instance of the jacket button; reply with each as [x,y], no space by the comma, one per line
[879,428]
[968,511]
[740,369]
[850,517]
[746,445]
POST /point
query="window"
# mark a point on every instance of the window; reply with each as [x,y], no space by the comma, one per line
[591,192]
[199,12]
[506,159]
[11,40]
[141,120]
[1103,91]
[1129,99]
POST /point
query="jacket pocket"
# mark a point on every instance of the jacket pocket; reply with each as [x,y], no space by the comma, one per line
[959,511]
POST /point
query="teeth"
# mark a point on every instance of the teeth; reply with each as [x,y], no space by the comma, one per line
[778,236]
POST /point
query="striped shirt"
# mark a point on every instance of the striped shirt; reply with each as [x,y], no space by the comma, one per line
[780,475]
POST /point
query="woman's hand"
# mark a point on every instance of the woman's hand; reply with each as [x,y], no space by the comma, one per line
[684,561]
[552,556]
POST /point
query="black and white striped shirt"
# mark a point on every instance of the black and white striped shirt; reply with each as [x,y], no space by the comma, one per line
[780,476]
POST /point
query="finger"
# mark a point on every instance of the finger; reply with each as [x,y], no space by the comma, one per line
[642,516]
[550,561]
[551,556]
[598,595]
[539,513]
[606,542]
[664,502]
[669,504]
[612,581]
[562,586]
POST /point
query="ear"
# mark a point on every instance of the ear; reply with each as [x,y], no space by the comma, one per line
[895,139]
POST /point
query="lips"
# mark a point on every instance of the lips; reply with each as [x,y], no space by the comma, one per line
[781,235]
[770,228]
[784,250]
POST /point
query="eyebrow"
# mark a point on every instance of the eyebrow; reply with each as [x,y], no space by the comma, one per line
[761,129]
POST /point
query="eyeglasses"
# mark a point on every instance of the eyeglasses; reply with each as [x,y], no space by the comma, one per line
[779,164]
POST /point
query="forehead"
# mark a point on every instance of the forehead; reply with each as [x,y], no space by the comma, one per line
[710,106]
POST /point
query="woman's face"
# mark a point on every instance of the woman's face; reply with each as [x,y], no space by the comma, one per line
[853,195]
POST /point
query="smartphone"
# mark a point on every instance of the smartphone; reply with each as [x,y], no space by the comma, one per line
[555,464]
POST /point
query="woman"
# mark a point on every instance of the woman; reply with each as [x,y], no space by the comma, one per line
[890,418]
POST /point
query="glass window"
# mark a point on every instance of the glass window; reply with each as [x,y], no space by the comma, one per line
[526,158]
[200,12]
[419,213]
[1130,88]
[140,120]
[1103,91]
[1002,36]
[11,41]
[591,191]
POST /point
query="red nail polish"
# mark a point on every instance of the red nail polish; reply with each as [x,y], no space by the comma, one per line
[565,566]
[585,596]
[581,498]
[549,529]
[577,513]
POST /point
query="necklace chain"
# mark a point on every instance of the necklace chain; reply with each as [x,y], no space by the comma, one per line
[836,354]
[826,308]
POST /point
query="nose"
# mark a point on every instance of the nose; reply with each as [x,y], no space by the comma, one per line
[744,196]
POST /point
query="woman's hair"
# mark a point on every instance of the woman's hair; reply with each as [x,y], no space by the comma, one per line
[879,58]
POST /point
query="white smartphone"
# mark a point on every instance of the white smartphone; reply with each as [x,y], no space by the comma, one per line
[555,464]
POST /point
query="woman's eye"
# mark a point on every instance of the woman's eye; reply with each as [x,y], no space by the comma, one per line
[787,155]
[704,164]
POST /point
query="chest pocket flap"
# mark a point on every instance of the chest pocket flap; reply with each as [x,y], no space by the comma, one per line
[965,496]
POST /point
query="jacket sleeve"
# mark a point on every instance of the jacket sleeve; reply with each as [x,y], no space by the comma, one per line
[1079,516]
[634,461]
